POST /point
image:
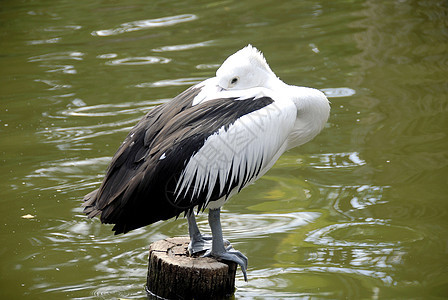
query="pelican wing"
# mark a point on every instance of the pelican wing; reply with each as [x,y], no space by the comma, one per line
[129,159]
[181,155]
[238,153]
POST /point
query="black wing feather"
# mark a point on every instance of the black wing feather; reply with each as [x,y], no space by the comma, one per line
[138,188]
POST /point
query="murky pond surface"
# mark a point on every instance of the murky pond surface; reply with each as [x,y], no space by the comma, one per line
[359,212]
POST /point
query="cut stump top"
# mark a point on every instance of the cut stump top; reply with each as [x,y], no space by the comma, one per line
[174,274]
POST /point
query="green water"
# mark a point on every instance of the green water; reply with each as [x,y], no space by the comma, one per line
[358,213]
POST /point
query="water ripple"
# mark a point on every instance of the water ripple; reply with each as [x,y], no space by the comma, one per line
[172,82]
[61,168]
[145,24]
[182,47]
[45,41]
[103,110]
[314,282]
[208,66]
[68,175]
[53,84]
[351,199]
[140,60]
[337,160]
[338,92]
[66,69]
[107,55]
[67,137]
[375,233]
[108,270]
[67,55]
[237,226]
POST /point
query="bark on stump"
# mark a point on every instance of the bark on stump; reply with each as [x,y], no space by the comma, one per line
[173,274]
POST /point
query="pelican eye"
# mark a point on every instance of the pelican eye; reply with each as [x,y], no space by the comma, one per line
[234,80]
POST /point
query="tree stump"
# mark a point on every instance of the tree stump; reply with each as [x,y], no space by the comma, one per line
[173,274]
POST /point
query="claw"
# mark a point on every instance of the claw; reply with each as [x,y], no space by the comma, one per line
[231,255]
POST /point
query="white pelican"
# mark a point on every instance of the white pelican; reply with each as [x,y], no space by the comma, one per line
[203,147]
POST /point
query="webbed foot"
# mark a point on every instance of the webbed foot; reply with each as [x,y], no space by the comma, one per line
[200,243]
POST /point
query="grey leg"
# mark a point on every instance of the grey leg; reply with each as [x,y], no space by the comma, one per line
[198,242]
[219,250]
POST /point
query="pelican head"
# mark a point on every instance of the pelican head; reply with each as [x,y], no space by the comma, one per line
[245,69]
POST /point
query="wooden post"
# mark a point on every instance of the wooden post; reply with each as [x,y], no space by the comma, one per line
[173,274]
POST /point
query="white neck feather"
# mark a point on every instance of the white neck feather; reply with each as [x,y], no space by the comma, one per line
[313,110]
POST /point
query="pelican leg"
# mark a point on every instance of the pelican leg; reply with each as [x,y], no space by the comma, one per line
[219,250]
[198,242]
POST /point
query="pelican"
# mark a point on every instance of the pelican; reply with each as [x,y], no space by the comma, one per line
[203,147]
